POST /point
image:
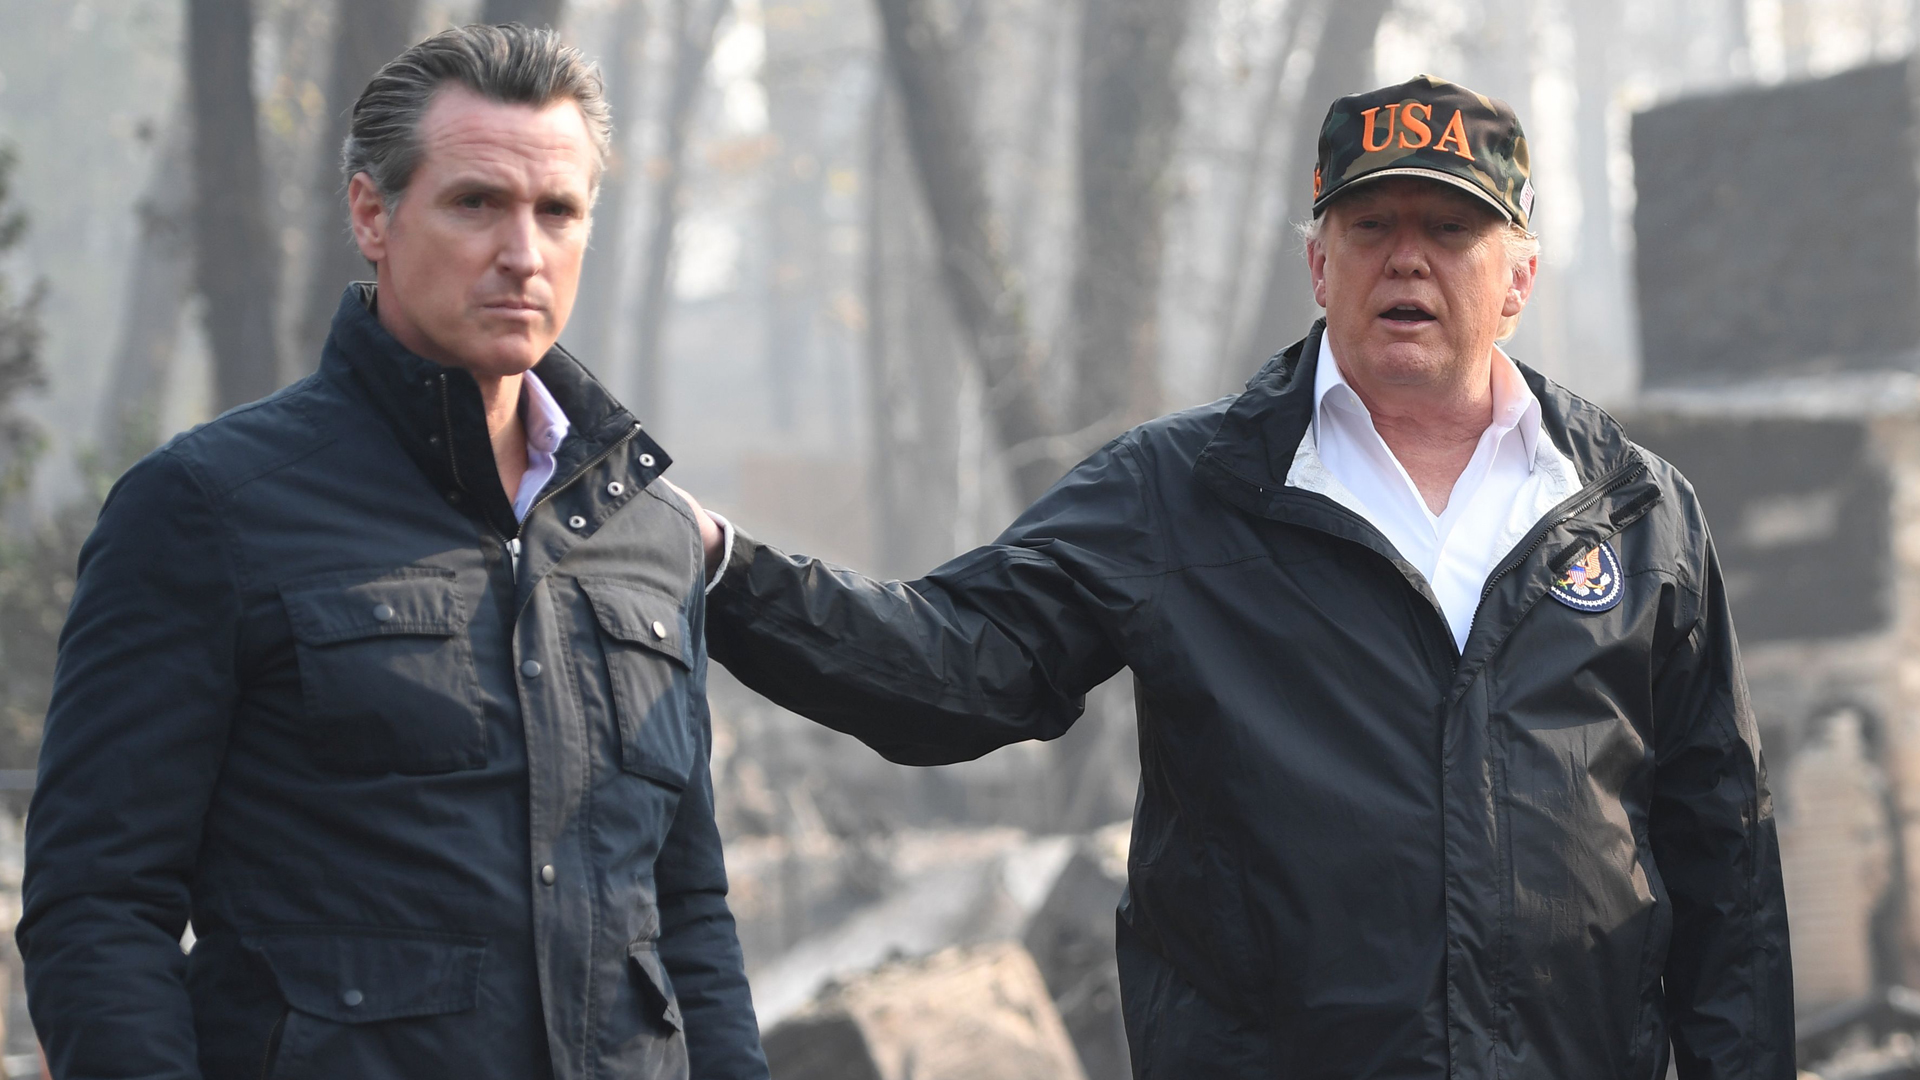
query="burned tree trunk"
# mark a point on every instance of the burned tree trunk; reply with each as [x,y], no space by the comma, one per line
[1603,317]
[366,34]
[159,280]
[1231,309]
[238,260]
[590,332]
[912,358]
[987,302]
[695,23]
[525,12]
[792,345]
[1343,64]
[1129,116]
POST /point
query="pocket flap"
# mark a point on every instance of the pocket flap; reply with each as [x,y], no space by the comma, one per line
[639,615]
[366,976]
[416,601]
[658,988]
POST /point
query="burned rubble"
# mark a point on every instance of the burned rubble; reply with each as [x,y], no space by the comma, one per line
[1781,380]
[865,893]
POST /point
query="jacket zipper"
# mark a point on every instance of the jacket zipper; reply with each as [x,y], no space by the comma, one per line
[446,425]
[512,543]
[1600,489]
[603,455]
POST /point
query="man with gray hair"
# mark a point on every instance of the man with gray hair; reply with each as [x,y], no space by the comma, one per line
[391,686]
[1447,768]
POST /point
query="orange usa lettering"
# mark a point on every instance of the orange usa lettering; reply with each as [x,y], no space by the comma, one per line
[1411,125]
[1456,134]
[1366,136]
[1418,127]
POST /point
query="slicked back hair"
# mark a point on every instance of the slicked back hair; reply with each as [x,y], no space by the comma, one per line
[510,64]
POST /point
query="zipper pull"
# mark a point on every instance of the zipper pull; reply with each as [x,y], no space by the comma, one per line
[513,550]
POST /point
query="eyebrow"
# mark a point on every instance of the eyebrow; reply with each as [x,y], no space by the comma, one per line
[472,185]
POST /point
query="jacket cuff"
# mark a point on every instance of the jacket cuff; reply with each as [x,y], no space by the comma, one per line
[726,550]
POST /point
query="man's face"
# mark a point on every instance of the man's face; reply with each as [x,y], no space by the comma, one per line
[479,263]
[1416,282]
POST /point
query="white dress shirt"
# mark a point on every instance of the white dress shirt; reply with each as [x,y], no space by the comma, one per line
[1516,475]
[547,426]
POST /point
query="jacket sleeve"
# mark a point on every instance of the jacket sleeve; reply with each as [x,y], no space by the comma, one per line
[1729,978]
[143,695]
[997,646]
[699,945]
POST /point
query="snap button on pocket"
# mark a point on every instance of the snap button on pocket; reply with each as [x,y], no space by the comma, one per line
[531,669]
[369,976]
[645,639]
[547,874]
[387,679]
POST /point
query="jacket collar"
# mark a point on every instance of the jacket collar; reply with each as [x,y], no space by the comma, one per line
[438,417]
[1247,461]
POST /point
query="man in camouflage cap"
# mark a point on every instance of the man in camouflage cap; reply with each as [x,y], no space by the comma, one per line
[1447,766]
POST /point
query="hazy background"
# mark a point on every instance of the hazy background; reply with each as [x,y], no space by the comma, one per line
[765,289]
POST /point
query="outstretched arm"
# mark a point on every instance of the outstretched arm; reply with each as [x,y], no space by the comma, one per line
[997,646]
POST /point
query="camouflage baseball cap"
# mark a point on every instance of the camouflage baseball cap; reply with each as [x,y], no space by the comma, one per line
[1432,129]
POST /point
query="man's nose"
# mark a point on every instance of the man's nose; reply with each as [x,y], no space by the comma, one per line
[1409,256]
[519,254]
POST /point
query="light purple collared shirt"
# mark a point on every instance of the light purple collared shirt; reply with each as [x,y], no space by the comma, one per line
[547,428]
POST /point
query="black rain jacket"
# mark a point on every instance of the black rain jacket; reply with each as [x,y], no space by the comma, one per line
[1358,851]
[430,813]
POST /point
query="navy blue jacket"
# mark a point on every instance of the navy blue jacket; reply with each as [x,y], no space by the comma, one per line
[1359,851]
[430,785]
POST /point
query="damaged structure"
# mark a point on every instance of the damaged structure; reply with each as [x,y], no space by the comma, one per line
[1779,297]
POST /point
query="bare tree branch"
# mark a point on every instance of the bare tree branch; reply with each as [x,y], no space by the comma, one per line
[695,24]
[159,280]
[1343,64]
[1129,115]
[1229,310]
[987,302]
[366,34]
[590,333]
[238,261]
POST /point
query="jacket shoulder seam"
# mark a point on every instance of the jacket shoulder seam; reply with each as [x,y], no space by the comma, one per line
[293,400]
[226,540]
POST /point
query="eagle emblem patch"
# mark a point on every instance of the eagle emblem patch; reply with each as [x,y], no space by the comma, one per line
[1592,583]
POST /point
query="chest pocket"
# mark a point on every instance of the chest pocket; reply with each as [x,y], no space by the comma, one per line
[650,666]
[386,672]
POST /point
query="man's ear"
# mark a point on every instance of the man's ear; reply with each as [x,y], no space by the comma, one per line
[1317,266]
[368,213]
[1521,289]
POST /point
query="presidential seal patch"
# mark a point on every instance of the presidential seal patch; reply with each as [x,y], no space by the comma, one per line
[1592,583]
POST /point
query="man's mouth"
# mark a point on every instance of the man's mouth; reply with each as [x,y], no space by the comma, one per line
[1408,313]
